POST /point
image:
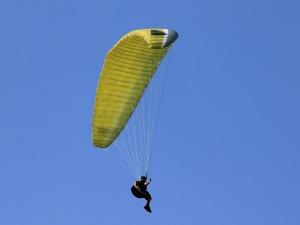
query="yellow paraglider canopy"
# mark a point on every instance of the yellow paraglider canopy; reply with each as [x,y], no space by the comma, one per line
[126,73]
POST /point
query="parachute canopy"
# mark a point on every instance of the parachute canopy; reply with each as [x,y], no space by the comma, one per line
[126,73]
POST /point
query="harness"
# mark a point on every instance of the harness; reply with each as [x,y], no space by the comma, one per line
[136,191]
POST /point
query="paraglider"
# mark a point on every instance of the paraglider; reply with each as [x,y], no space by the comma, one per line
[128,68]
[139,190]
[127,71]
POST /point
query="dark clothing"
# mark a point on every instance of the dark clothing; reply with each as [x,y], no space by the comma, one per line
[147,195]
[141,185]
[140,191]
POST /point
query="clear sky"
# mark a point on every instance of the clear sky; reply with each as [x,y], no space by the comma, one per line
[227,149]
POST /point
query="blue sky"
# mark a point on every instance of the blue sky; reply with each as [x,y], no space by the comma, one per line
[227,148]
